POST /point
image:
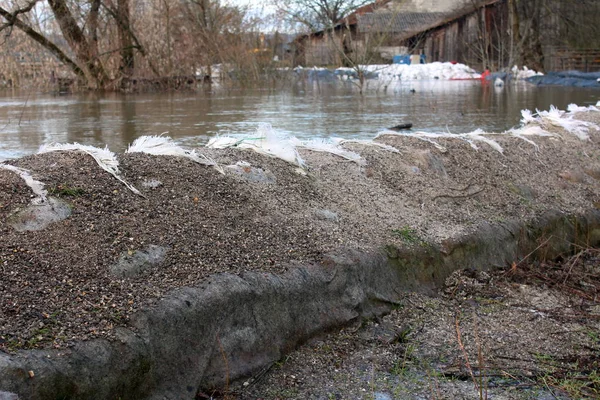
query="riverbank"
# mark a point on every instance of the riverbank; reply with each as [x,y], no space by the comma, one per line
[119,259]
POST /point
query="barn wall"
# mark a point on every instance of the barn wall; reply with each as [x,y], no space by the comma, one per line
[474,39]
[319,50]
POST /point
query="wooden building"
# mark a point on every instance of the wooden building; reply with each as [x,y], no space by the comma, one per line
[376,32]
[476,33]
[328,46]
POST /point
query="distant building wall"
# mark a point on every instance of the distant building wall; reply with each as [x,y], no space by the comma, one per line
[478,38]
[318,50]
[564,59]
[475,39]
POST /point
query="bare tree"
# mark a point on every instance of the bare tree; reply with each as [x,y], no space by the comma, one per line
[315,15]
[358,49]
[79,44]
[216,29]
[16,17]
[105,44]
[542,23]
[529,48]
[350,46]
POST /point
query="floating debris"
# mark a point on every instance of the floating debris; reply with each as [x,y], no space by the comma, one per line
[402,126]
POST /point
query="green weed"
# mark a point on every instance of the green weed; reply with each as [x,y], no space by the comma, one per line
[65,190]
[407,235]
[577,385]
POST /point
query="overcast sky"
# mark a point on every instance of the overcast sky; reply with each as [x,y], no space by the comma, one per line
[261,9]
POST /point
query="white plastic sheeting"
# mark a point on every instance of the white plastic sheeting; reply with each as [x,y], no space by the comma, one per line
[532,125]
[106,159]
[523,73]
[273,143]
[471,138]
[268,141]
[36,186]
[435,70]
[165,146]
[559,119]
[265,140]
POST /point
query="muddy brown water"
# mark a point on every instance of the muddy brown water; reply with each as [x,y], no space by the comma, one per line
[28,119]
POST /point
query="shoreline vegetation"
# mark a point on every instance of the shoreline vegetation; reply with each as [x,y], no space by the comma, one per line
[376,76]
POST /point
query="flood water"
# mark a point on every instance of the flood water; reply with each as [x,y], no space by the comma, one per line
[28,120]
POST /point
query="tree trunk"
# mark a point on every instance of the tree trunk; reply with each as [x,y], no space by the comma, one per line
[96,76]
[126,31]
[515,43]
[126,67]
[44,42]
[533,54]
[93,27]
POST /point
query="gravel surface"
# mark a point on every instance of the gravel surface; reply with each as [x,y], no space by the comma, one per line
[57,286]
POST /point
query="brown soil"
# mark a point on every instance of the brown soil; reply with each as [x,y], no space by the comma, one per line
[56,287]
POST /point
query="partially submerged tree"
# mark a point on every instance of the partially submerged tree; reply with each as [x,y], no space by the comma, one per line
[359,47]
[78,43]
[217,30]
[105,44]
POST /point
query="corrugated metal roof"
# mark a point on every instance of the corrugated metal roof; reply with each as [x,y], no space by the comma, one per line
[408,24]
[404,24]
[368,8]
[398,22]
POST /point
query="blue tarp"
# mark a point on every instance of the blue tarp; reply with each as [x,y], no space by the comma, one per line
[567,78]
[401,59]
[406,59]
